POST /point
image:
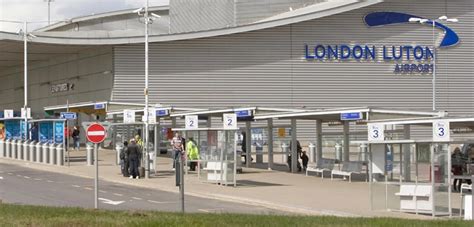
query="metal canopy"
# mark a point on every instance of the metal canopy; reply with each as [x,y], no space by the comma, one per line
[218,112]
[329,115]
[455,122]
[141,110]
[89,106]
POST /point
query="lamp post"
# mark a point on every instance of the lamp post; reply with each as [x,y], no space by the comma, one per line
[148,20]
[25,35]
[433,25]
[49,10]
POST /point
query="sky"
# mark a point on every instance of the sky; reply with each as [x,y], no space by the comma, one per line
[36,11]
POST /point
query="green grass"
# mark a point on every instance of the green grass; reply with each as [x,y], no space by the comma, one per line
[16,215]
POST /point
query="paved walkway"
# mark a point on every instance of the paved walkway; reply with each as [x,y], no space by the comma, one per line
[308,195]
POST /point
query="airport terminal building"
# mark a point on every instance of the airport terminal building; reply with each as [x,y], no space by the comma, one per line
[274,53]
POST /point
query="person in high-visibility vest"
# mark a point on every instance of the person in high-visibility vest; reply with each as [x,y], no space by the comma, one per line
[193,153]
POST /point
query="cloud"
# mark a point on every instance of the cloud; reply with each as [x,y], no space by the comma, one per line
[36,11]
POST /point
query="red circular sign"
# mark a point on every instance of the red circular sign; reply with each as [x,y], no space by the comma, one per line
[96,133]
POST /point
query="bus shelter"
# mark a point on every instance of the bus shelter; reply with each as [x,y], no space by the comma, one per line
[123,129]
[246,117]
[218,161]
[412,172]
[342,123]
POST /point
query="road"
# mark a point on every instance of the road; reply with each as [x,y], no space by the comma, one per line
[21,185]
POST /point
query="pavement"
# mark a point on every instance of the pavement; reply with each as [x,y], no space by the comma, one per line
[257,186]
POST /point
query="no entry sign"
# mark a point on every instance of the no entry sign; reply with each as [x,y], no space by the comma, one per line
[96,133]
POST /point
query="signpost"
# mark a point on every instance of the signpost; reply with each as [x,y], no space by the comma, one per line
[441,131]
[351,116]
[68,115]
[8,114]
[191,122]
[376,132]
[128,116]
[230,121]
[96,134]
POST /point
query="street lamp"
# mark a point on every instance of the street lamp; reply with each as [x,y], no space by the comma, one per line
[49,9]
[433,25]
[24,33]
[149,18]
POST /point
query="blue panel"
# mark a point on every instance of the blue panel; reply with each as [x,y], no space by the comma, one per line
[12,129]
[162,112]
[99,106]
[46,132]
[243,113]
[351,116]
[68,115]
[58,132]
[386,18]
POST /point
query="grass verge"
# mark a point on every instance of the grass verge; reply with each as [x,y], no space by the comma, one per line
[19,215]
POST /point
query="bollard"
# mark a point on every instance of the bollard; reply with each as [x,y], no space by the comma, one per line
[284,149]
[90,150]
[2,148]
[59,155]
[8,151]
[39,152]
[19,148]
[118,149]
[26,153]
[312,152]
[338,150]
[32,150]
[45,151]
[13,149]
[52,154]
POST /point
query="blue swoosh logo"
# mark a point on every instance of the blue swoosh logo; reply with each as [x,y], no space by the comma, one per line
[386,18]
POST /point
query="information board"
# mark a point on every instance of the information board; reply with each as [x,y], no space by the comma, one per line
[58,132]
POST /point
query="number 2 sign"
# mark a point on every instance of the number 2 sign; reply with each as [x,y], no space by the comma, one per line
[441,131]
[191,122]
[376,132]
[230,121]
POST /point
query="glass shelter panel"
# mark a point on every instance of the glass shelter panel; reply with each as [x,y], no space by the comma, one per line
[441,171]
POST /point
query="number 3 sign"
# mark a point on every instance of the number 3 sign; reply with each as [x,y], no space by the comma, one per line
[230,121]
[441,131]
[376,132]
[191,121]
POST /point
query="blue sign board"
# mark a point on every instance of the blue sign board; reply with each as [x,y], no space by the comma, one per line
[58,132]
[162,112]
[351,116]
[68,115]
[46,132]
[12,129]
[243,113]
[99,106]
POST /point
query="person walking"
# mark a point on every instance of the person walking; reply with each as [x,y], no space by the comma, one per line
[134,154]
[193,154]
[299,150]
[177,148]
[76,138]
[124,160]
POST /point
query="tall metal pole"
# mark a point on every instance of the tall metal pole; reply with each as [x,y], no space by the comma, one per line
[25,88]
[434,66]
[147,161]
[96,179]
[49,14]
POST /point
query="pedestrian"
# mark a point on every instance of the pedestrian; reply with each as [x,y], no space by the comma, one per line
[76,138]
[177,148]
[304,159]
[134,154]
[193,154]
[124,160]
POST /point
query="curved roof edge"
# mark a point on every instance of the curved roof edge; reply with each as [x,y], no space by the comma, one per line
[296,16]
[96,16]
